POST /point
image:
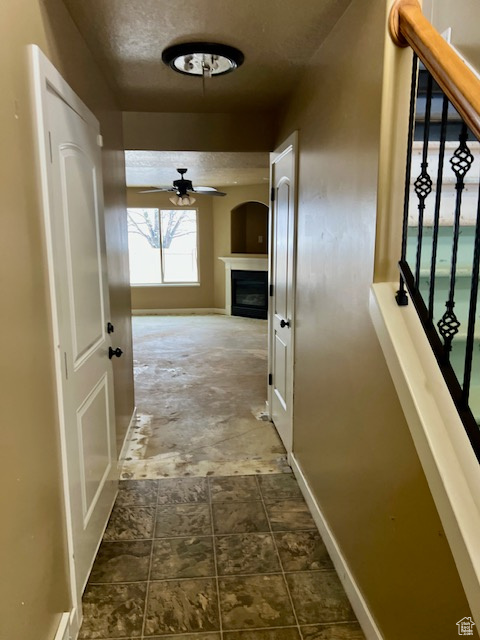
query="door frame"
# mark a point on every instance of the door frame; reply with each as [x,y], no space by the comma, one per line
[42,75]
[289,144]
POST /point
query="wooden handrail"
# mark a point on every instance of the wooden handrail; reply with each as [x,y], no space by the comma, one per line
[408,26]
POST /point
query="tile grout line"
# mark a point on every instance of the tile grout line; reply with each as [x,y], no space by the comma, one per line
[195,634]
[225,535]
[210,506]
[223,575]
[279,559]
[150,566]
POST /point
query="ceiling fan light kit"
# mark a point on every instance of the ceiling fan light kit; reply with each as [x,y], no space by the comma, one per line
[182,200]
[206,59]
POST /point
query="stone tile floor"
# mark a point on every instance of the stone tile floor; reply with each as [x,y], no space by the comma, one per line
[232,558]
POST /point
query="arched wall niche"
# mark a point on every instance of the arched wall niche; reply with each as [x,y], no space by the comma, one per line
[249,228]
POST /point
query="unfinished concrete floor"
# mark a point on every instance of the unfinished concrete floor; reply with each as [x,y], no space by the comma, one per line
[200,390]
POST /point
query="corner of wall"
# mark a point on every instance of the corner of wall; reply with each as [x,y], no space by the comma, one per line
[392,157]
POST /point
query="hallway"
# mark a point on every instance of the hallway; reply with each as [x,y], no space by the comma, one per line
[332,73]
[207,554]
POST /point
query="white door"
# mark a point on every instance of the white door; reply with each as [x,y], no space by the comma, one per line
[73,204]
[282,278]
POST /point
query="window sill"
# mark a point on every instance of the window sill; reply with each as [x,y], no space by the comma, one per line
[166,284]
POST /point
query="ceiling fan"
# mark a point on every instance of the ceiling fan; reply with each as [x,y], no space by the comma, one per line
[182,189]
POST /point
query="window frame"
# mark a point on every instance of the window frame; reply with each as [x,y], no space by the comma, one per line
[169,283]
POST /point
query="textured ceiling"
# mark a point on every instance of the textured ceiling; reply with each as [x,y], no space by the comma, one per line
[278,37]
[158,168]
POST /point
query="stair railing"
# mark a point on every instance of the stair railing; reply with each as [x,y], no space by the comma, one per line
[440,253]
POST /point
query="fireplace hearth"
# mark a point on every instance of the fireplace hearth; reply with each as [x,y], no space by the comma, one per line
[250,294]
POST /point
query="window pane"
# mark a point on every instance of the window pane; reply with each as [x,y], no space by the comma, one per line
[144,246]
[179,242]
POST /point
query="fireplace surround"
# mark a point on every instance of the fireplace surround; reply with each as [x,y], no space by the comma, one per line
[242,262]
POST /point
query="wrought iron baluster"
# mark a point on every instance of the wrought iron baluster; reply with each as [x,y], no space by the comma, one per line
[423,184]
[441,335]
[401,297]
[461,162]
[438,198]
[467,374]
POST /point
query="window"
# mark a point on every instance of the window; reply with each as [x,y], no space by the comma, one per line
[163,246]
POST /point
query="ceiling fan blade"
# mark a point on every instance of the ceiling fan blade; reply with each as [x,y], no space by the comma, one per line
[157,189]
[209,191]
[213,193]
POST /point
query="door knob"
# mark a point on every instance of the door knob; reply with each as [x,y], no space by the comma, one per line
[284,323]
[114,352]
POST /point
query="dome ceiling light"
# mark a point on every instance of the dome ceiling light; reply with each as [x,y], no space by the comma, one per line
[205,59]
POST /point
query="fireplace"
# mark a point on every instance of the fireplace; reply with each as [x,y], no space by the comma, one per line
[250,294]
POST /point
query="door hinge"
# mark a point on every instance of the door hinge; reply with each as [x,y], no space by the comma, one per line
[100,140]
[50,146]
[272,194]
[270,379]
[271,290]
[66,366]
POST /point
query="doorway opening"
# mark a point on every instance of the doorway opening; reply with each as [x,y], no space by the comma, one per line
[201,371]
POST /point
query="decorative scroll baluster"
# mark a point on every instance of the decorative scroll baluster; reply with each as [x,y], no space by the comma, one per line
[423,184]
[461,162]
[438,198]
[401,296]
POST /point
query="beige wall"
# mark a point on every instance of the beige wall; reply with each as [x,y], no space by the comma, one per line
[181,297]
[350,437]
[33,584]
[199,131]
[257,227]
[222,208]
[238,230]
[463,18]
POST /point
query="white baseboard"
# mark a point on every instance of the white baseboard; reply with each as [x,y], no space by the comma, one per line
[178,312]
[63,631]
[352,590]
[126,440]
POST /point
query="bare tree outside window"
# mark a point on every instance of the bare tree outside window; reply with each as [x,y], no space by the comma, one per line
[175,224]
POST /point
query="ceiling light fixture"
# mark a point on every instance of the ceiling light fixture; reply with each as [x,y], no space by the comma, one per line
[204,59]
[180,200]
